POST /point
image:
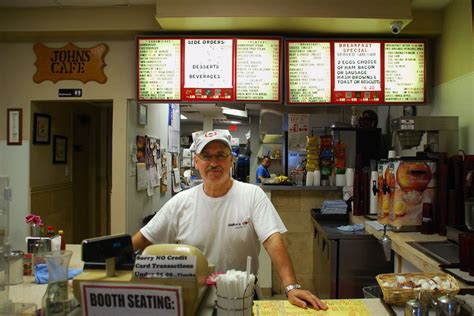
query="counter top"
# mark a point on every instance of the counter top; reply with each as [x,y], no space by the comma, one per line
[401,247]
[278,187]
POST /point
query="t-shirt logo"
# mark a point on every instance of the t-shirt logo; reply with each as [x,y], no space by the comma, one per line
[238,225]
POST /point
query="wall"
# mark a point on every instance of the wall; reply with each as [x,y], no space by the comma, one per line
[18,90]
[454,76]
[139,204]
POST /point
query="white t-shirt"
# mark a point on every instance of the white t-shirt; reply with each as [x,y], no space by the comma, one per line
[226,229]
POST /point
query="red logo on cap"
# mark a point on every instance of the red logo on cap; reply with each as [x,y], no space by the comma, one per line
[210,134]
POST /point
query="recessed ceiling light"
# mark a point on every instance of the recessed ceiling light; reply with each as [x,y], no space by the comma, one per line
[183,117]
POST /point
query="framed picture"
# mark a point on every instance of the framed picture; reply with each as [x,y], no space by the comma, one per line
[14,126]
[41,128]
[142,113]
[59,149]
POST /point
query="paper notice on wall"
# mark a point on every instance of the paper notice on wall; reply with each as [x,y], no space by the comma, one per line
[297,131]
[154,177]
[142,178]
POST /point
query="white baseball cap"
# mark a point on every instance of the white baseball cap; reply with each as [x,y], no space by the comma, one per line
[201,139]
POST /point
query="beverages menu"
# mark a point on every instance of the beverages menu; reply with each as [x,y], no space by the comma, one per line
[159,69]
[404,72]
[357,72]
[258,70]
[309,72]
[208,69]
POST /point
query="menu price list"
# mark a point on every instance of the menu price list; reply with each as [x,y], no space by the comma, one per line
[309,72]
[258,69]
[159,69]
[404,72]
[357,69]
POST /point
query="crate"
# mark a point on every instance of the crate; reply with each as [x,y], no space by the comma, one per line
[399,296]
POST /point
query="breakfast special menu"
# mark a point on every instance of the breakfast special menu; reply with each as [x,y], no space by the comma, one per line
[309,72]
[258,69]
[357,72]
[404,72]
[208,69]
[159,69]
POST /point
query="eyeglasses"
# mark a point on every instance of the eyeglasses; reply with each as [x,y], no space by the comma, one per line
[219,157]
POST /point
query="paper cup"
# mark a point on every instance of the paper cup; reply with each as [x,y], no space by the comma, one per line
[340,180]
[317,178]
[349,177]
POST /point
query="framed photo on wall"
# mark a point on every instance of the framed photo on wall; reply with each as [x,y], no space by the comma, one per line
[142,114]
[14,126]
[41,128]
[59,149]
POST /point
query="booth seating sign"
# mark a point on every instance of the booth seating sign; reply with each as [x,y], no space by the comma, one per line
[70,63]
[115,299]
[164,266]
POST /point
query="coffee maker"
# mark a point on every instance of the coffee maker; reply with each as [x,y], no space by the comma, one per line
[412,134]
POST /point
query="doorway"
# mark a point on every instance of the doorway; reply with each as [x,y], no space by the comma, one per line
[74,194]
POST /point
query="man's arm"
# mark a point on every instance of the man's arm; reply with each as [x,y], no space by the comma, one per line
[282,262]
[139,241]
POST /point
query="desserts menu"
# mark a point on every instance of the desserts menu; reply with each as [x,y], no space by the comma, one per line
[159,68]
[258,69]
[309,72]
[404,72]
[208,69]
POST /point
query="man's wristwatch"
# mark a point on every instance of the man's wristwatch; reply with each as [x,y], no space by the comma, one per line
[291,287]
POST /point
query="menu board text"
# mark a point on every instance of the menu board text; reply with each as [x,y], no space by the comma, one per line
[257,66]
[404,72]
[159,69]
[309,72]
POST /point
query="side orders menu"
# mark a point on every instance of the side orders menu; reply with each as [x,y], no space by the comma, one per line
[355,72]
[209,69]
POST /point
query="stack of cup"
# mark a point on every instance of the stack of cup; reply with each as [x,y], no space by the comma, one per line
[309,178]
[317,177]
[340,180]
[349,177]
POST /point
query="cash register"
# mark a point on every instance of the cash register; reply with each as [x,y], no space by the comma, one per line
[110,259]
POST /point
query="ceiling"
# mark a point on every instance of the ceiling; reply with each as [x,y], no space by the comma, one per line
[416,4]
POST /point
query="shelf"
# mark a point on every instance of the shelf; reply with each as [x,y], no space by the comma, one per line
[271,158]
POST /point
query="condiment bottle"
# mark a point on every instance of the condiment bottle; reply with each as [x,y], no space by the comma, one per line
[63,241]
[50,231]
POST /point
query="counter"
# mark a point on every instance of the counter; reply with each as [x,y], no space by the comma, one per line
[406,257]
[294,204]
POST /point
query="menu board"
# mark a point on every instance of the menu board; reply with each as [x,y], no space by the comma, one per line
[404,72]
[159,69]
[309,72]
[357,72]
[258,70]
[208,69]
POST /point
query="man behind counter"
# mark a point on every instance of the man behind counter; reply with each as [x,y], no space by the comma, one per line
[262,170]
[226,219]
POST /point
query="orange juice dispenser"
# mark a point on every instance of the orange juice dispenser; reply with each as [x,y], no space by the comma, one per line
[412,183]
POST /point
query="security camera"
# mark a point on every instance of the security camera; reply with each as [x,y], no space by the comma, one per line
[396,27]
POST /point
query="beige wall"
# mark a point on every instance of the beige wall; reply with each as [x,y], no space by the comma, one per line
[454,76]
[17,89]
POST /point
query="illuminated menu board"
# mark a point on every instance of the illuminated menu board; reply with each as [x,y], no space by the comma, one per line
[309,72]
[404,72]
[258,70]
[357,72]
[159,69]
[208,69]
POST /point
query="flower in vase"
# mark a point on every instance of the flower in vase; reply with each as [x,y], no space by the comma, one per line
[33,220]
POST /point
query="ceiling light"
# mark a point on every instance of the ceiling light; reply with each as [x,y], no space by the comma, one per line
[234,112]
[183,117]
[235,122]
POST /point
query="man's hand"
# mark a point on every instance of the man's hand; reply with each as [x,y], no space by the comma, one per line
[302,298]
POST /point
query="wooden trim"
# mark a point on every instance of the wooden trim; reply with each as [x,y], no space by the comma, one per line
[51,187]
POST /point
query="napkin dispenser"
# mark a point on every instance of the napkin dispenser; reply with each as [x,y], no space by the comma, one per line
[193,288]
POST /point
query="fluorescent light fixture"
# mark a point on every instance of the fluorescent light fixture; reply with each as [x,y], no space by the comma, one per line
[183,117]
[234,112]
[235,122]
